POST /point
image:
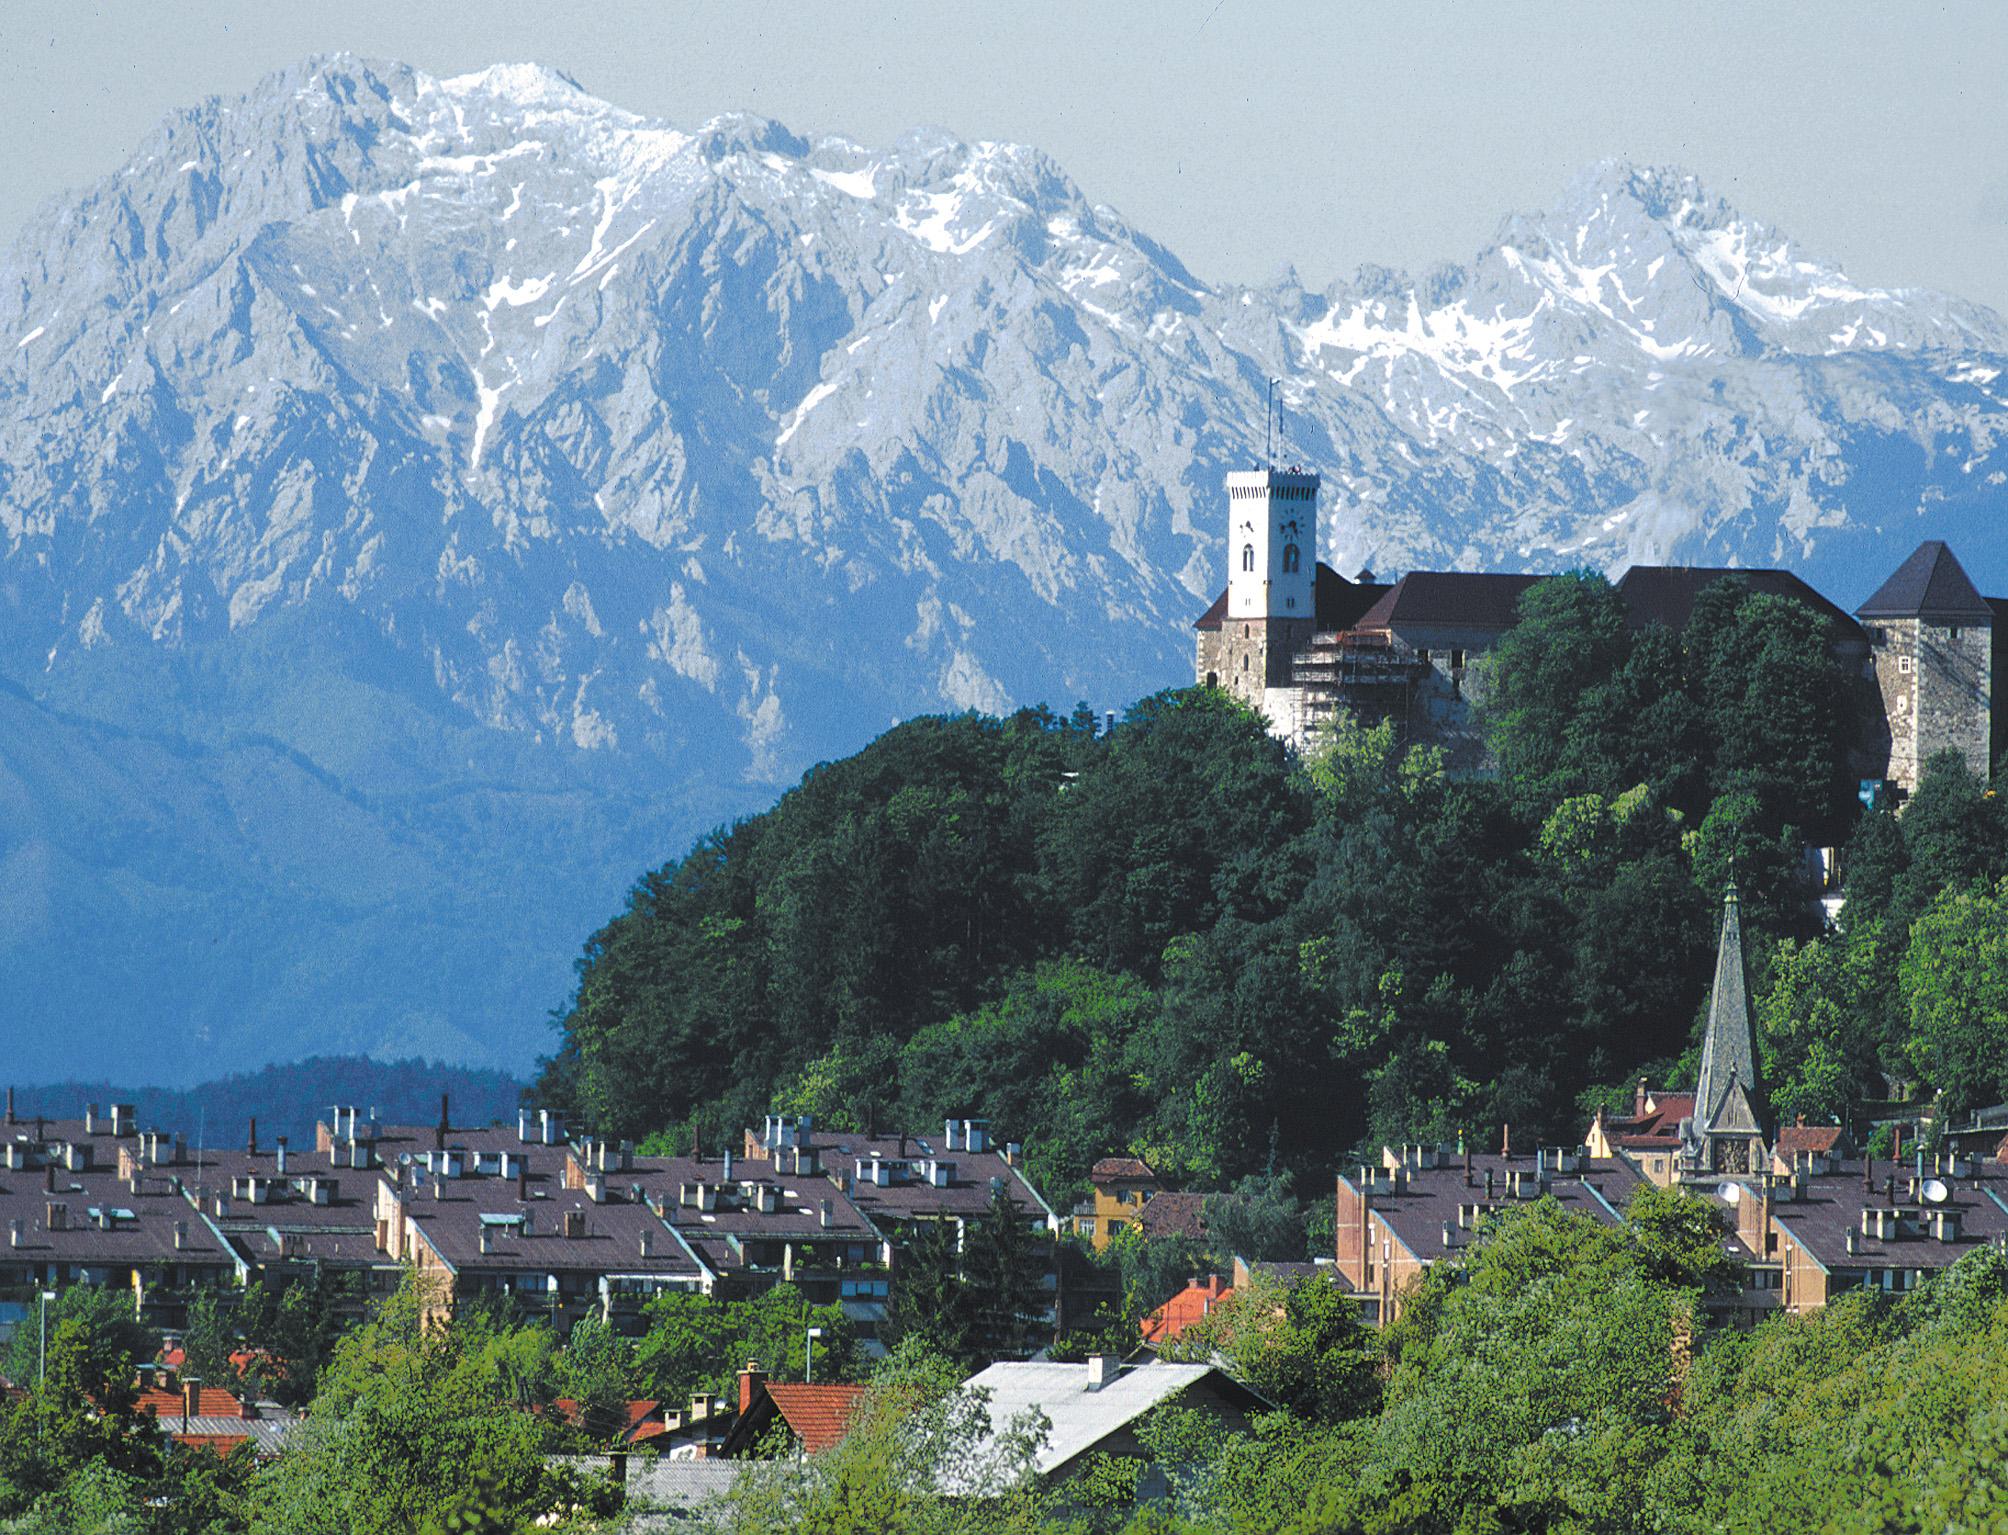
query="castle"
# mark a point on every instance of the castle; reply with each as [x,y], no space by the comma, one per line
[1299,642]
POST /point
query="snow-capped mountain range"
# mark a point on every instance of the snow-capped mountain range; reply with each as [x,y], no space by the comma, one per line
[452,468]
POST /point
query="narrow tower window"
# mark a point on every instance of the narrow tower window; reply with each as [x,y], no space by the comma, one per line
[1247,556]
[1290,559]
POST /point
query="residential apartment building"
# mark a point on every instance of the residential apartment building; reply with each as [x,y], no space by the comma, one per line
[1424,1204]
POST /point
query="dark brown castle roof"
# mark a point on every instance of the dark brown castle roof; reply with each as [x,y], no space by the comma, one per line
[1930,584]
[1337,602]
[1457,599]
[1665,594]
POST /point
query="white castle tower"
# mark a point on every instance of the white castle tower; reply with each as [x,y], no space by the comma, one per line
[1272,583]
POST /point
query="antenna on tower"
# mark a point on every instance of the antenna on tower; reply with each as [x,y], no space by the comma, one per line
[1269,427]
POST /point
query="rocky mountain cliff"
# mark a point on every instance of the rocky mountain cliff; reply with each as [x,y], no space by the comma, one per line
[424,503]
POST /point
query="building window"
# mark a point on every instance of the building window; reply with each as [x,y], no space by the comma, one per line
[1422,656]
[1903,665]
[1213,679]
[1247,556]
[1292,559]
[1457,660]
[1953,633]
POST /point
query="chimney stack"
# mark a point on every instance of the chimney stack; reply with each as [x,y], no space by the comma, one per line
[750,1379]
[647,1243]
[522,1182]
[439,1133]
[1505,1142]
[1102,1369]
[10,1105]
[279,1156]
[191,1400]
[251,1141]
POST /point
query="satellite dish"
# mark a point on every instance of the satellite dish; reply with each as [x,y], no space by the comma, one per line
[1936,1191]
[1731,1192]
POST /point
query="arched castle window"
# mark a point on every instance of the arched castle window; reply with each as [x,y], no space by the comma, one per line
[1291,559]
[1247,556]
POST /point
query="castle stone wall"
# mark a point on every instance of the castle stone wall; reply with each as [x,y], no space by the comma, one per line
[1937,687]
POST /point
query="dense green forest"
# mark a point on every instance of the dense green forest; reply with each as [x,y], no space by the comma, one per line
[1177,940]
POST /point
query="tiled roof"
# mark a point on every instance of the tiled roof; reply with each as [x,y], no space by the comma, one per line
[211,1402]
[1420,1211]
[1173,1215]
[452,1224]
[1111,1168]
[1336,602]
[1830,1210]
[1450,599]
[1930,584]
[1804,1138]
[1658,1128]
[819,1416]
[1194,1302]
[1665,594]
[967,1193]
[641,1419]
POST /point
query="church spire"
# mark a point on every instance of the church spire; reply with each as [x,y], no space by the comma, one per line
[1730,1094]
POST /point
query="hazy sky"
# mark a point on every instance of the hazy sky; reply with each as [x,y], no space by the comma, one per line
[1244,135]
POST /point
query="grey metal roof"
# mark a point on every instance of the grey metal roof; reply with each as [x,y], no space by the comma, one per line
[678,1484]
[1078,1418]
[1930,584]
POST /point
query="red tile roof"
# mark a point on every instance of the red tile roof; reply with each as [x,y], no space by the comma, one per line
[1111,1168]
[1195,1301]
[819,1416]
[641,1419]
[1173,1215]
[211,1402]
[1659,1126]
[1802,1138]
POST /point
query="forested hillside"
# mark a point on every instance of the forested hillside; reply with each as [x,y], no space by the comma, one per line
[1172,938]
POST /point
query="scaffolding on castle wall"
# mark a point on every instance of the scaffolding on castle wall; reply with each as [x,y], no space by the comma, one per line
[1367,674]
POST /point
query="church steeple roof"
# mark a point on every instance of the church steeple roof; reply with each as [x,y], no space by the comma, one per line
[1730,1093]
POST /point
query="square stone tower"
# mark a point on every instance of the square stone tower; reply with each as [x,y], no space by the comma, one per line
[1931,637]
[1272,564]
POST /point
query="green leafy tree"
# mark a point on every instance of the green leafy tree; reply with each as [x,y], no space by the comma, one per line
[922,1457]
[695,1342]
[1550,700]
[1955,978]
[1302,1345]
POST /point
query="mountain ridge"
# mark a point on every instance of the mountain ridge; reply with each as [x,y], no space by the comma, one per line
[476,430]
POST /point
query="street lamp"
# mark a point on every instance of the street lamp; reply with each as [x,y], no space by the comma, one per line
[43,1297]
[809,1354]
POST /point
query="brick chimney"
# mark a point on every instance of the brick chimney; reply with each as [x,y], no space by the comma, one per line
[751,1378]
[439,1134]
[191,1400]
[251,1141]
